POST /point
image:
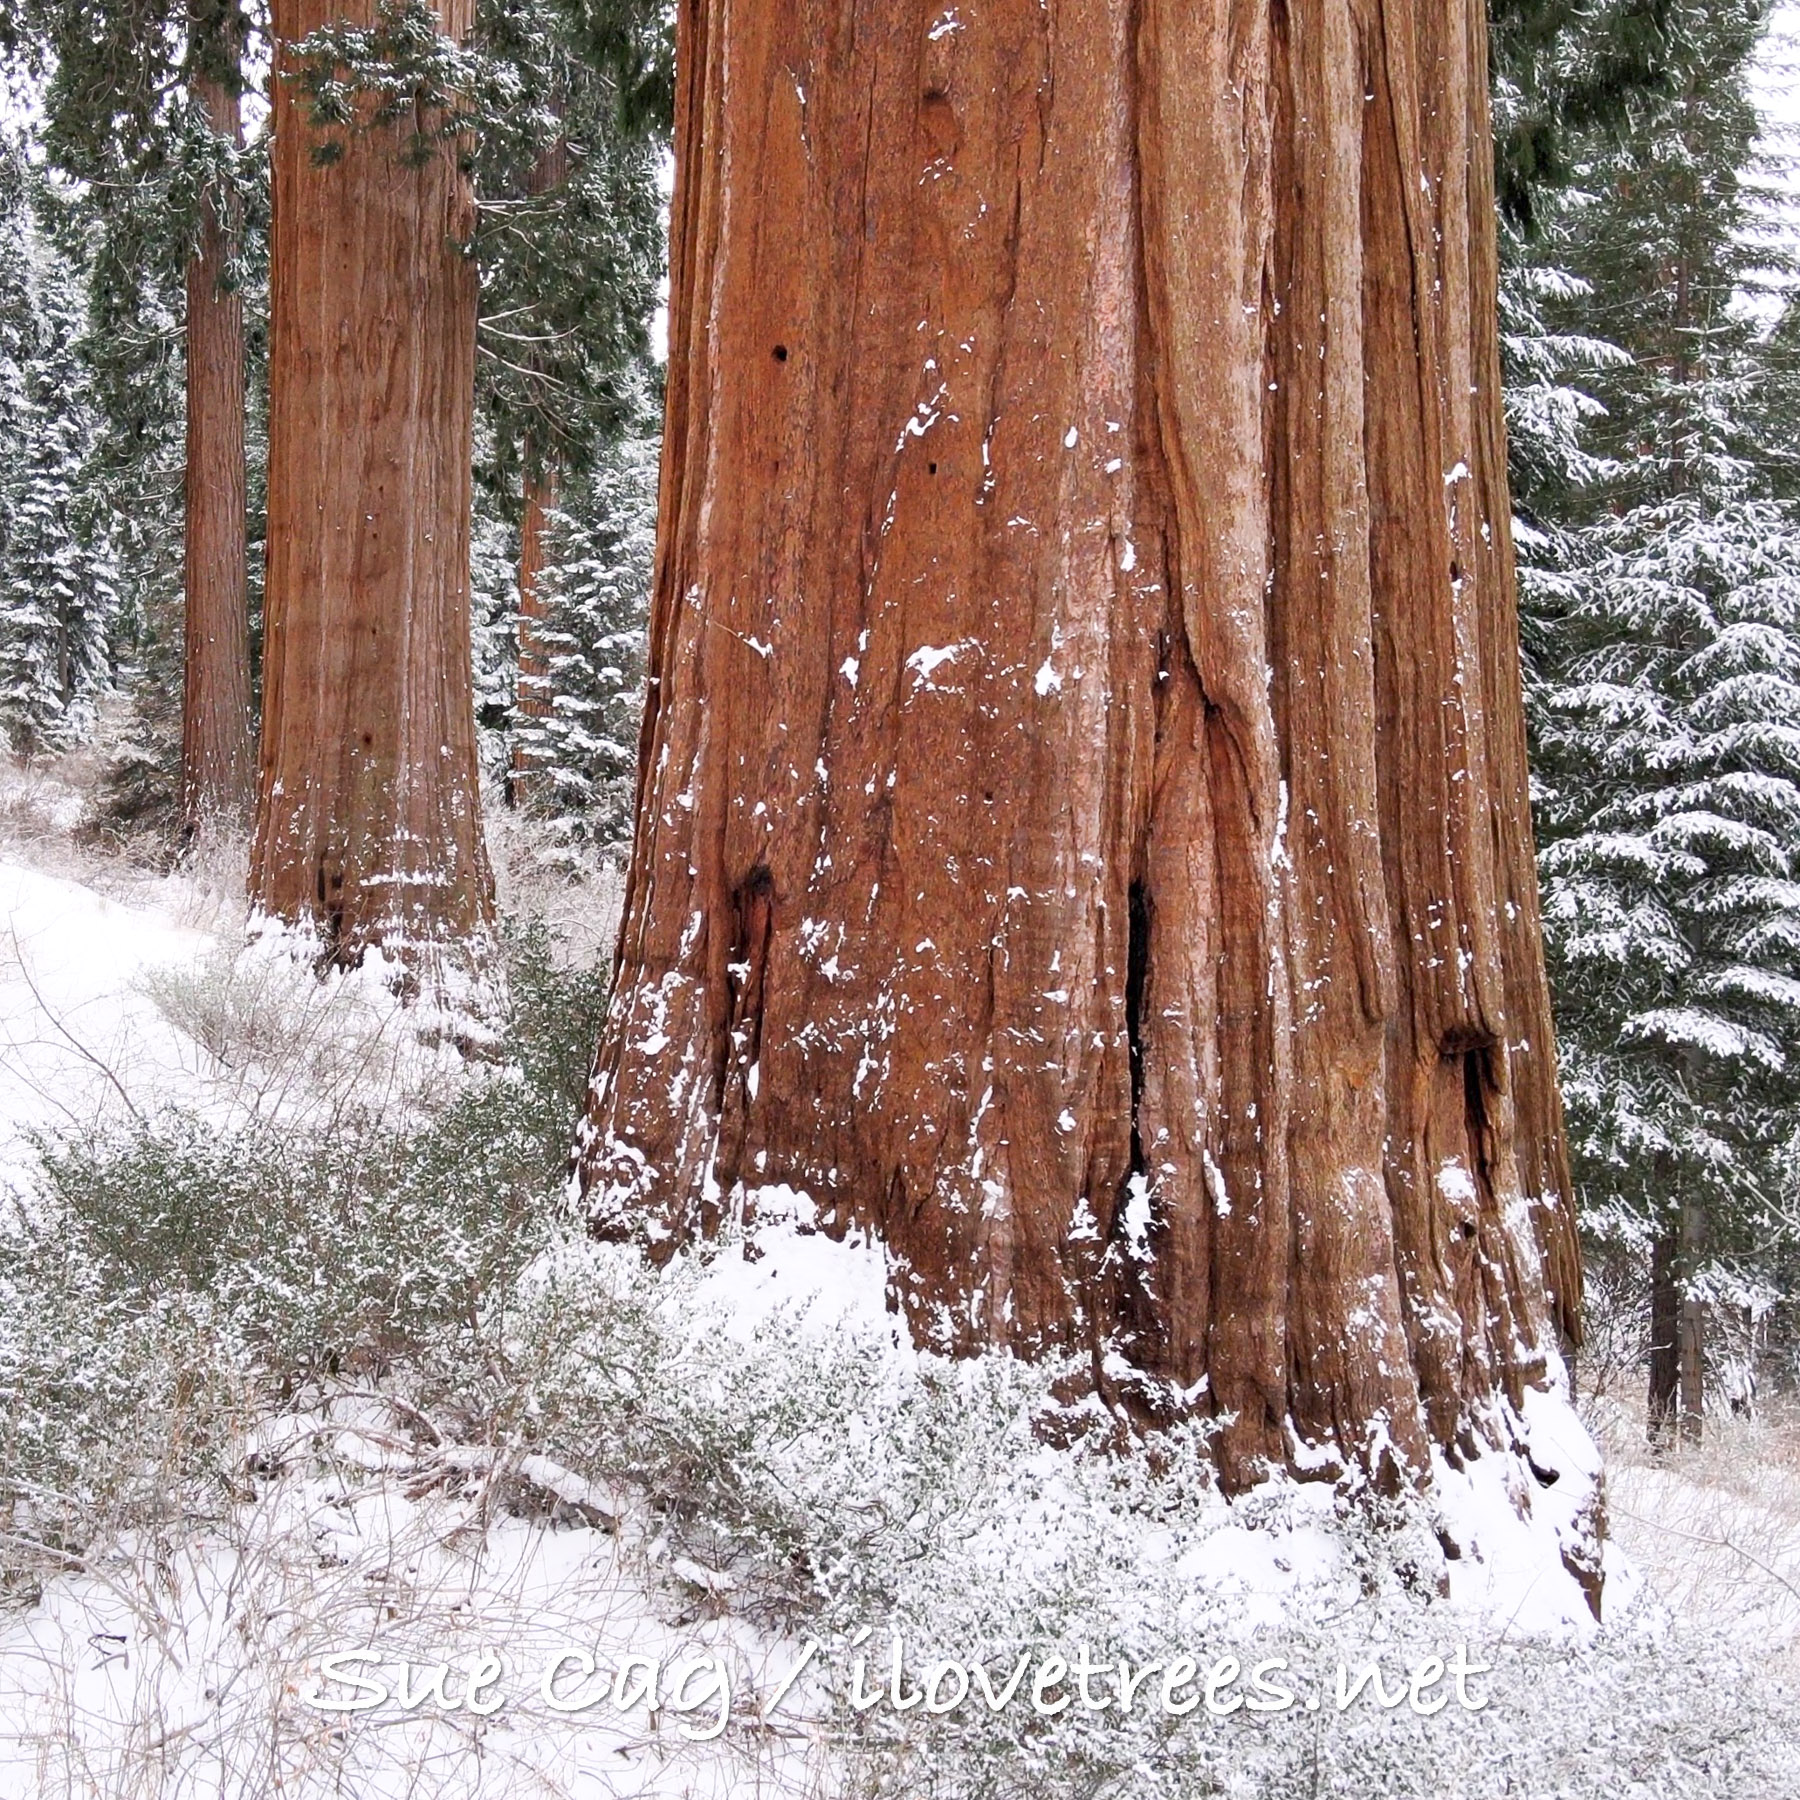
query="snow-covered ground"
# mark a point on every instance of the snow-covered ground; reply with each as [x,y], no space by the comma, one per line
[477,1599]
[120,1001]
[81,1038]
[200,1680]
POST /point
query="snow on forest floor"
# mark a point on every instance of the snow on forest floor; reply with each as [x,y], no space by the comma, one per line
[188,1661]
[1713,1532]
[123,992]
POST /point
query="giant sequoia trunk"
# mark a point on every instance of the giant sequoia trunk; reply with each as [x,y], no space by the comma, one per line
[1082,828]
[216,747]
[368,816]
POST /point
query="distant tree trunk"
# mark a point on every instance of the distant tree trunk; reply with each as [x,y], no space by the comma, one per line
[217,757]
[1665,1333]
[1082,829]
[368,816]
[1692,1334]
[550,171]
[534,694]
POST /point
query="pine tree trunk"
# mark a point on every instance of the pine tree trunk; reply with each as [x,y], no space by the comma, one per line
[1691,1337]
[1665,1333]
[368,820]
[1082,829]
[216,724]
[550,171]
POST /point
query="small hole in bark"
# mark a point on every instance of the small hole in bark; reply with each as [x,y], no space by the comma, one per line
[1455,570]
[368,739]
[781,352]
[932,467]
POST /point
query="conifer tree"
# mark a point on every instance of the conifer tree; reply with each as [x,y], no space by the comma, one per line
[368,827]
[1081,834]
[592,636]
[58,590]
[571,244]
[1668,717]
[389,109]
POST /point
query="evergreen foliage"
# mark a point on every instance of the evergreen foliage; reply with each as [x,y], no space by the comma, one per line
[1661,585]
[597,587]
[59,594]
[120,124]
[1564,72]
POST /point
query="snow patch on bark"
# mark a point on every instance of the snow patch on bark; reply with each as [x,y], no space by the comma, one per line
[929,658]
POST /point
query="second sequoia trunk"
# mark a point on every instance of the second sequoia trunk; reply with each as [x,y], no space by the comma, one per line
[1082,833]
[368,817]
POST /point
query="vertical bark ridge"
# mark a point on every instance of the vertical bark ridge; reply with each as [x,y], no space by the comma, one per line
[1083,626]
[1539,1146]
[368,818]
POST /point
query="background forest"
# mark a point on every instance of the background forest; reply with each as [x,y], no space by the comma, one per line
[1650,241]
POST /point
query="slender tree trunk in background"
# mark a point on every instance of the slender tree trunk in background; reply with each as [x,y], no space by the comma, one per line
[550,171]
[217,756]
[1691,1336]
[1082,829]
[534,693]
[1665,1333]
[368,810]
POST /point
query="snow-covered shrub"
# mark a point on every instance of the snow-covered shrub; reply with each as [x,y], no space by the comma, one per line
[112,1400]
[774,1458]
[160,1281]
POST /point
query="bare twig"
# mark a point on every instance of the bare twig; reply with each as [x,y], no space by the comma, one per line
[65,1033]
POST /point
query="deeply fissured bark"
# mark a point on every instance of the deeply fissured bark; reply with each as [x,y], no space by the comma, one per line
[368,817]
[1082,829]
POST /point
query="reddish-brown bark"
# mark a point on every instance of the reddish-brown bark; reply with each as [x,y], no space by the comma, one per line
[534,695]
[548,173]
[216,725]
[368,815]
[1082,829]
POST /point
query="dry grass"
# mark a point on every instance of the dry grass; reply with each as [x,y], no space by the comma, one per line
[578,900]
[182,1665]
[1714,1528]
